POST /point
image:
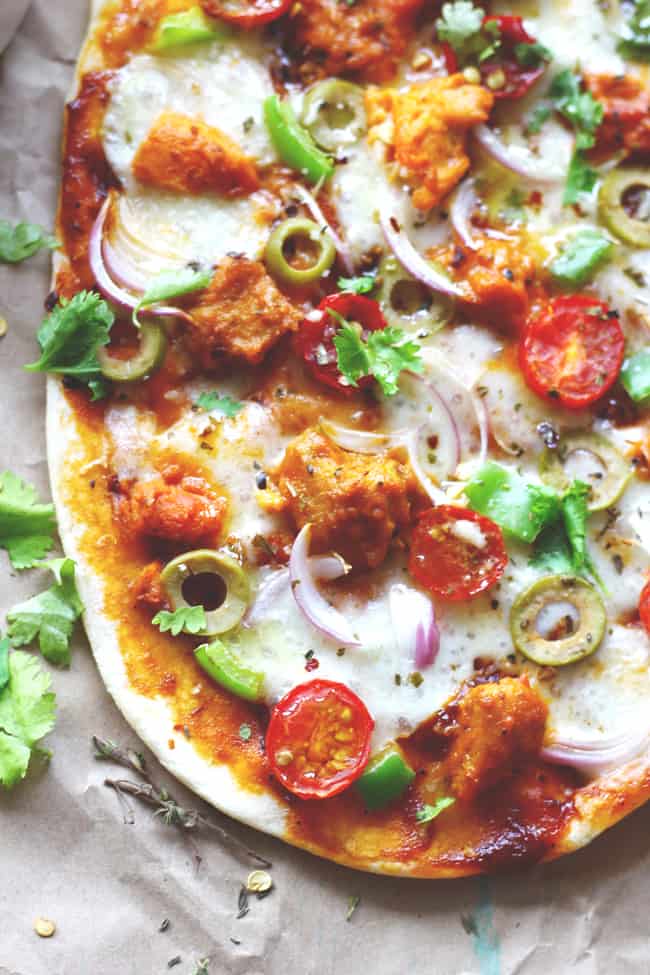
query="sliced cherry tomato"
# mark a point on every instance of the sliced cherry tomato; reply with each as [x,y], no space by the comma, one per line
[315,339]
[449,57]
[445,558]
[572,352]
[519,78]
[318,739]
[644,606]
[246,13]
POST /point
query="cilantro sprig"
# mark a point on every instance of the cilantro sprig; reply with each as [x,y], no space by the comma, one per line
[187,619]
[26,525]
[562,546]
[461,26]
[50,616]
[27,712]
[634,38]
[358,286]
[21,241]
[585,113]
[214,402]
[69,338]
[384,354]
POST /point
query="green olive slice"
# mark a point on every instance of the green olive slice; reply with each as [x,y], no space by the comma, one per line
[407,303]
[334,113]
[297,234]
[606,471]
[579,630]
[229,588]
[149,357]
[624,205]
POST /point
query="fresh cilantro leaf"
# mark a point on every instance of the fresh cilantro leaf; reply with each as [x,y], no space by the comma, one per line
[461,26]
[428,812]
[581,257]
[27,713]
[532,55]
[187,619]
[22,241]
[26,527]
[552,552]
[214,402]
[540,114]
[50,616]
[4,663]
[71,335]
[581,178]
[574,512]
[634,39]
[358,286]
[173,284]
[384,355]
[562,547]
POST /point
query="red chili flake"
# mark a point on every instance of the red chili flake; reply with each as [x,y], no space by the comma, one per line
[312,664]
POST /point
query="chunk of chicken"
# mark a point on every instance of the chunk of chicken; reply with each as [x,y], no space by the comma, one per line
[425,129]
[365,39]
[626,119]
[185,155]
[241,315]
[355,503]
[174,508]
[500,727]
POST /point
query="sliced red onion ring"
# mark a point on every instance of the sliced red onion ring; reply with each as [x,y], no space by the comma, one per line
[360,441]
[414,625]
[595,757]
[312,205]
[311,603]
[121,270]
[518,159]
[463,203]
[466,409]
[278,580]
[435,494]
[412,261]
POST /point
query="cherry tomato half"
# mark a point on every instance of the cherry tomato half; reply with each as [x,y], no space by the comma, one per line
[315,339]
[246,13]
[318,739]
[572,352]
[518,78]
[446,560]
[644,606]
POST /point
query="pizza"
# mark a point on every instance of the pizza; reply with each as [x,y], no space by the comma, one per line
[347,413]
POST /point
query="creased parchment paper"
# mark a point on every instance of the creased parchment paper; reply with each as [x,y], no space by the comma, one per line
[66,853]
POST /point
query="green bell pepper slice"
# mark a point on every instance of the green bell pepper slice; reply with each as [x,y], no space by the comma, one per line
[635,376]
[227,669]
[293,143]
[520,508]
[581,257]
[188,27]
[386,776]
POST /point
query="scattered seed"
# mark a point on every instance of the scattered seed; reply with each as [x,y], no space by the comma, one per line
[44,928]
[353,903]
[242,903]
[165,925]
[259,882]
[173,962]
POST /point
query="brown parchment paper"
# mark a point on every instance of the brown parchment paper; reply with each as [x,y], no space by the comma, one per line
[66,853]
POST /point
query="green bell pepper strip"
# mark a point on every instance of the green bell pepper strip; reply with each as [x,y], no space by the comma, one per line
[581,257]
[521,509]
[225,667]
[188,27]
[293,143]
[385,777]
[635,376]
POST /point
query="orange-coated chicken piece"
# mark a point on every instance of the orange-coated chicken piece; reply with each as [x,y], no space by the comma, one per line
[174,508]
[355,503]
[241,314]
[626,120]
[426,127]
[185,155]
[495,277]
[500,727]
[364,40]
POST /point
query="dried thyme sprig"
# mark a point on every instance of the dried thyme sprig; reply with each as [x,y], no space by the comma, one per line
[170,811]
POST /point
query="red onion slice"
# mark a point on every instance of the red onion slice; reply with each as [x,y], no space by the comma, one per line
[595,757]
[518,159]
[312,205]
[463,203]
[121,270]
[412,261]
[311,603]
[278,580]
[360,441]
[414,625]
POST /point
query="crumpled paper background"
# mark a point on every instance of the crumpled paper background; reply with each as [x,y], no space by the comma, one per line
[65,851]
